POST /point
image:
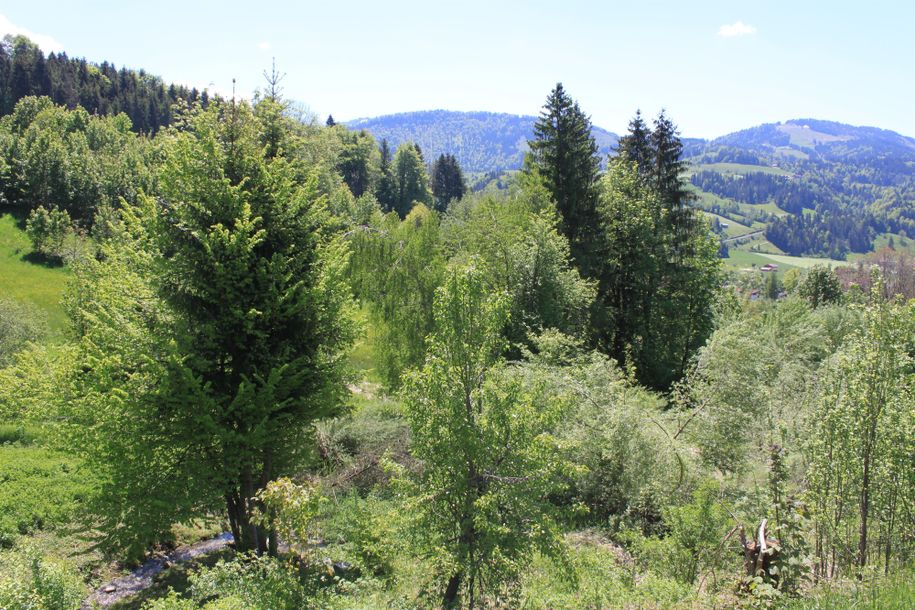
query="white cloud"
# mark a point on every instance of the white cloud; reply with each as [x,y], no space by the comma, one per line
[45,43]
[263,46]
[738,28]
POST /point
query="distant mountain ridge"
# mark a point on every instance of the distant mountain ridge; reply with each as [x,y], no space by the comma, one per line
[492,142]
[819,138]
[481,141]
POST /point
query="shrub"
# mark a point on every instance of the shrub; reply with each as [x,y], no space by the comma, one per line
[48,230]
[18,325]
[31,582]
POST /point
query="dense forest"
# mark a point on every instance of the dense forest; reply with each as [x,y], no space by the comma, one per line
[254,361]
[97,88]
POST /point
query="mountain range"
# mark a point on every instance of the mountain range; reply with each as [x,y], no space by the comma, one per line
[489,141]
[483,142]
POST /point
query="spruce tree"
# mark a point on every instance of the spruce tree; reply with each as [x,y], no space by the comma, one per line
[636,145]
[386,193]
[447,181]
[564,154]
[668,182]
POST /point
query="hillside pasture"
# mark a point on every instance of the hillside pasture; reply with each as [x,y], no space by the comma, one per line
[739,169]
[24,279]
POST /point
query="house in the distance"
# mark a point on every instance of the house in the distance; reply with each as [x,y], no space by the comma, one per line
[769,267]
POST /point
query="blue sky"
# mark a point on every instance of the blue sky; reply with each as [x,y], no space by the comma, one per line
[715,66]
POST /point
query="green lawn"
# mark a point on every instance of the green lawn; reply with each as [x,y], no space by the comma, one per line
[802,262]
[734,228]
[33,283]
[739,169]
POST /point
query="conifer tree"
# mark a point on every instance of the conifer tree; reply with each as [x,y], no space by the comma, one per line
[447,181]
[245,307]
[636,145]
[667,179]
[386,194]
[564,154]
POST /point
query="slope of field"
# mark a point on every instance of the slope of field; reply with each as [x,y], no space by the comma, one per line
[33,283]
[739,169]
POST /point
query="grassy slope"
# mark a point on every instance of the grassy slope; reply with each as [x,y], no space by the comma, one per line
[33,283]
[734,229]
[732,169]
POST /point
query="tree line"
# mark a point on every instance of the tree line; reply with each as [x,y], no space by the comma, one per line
[101,89]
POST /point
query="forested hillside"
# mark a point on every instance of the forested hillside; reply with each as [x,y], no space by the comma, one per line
[483,142]
[252,362]
[842,185]
[99,88]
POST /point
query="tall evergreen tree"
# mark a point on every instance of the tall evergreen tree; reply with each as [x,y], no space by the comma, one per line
[668,182]
[636,145]
[447,181]
[386,193]
[659,265]
[564,154]
[245,304]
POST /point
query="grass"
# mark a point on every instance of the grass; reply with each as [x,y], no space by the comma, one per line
[33,283]
[741,169]
[734,228]
[362,355]
[895,592]
[802,262]
[41,489]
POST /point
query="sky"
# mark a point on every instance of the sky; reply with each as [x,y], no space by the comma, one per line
[716,66]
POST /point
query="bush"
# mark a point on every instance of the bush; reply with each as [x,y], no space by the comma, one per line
[18,325]
[40,489]
[48,230]
[31,582]
[695,532]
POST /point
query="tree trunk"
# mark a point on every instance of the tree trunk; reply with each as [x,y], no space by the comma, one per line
[451,591]
[865,510]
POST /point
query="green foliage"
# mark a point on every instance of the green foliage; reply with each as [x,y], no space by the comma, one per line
[523,255]
[488,459]
[603,577]
[29,581]
[860,443]
[47,230]
[618,432]
[258,583]
[396,268]
[19,324]
[230,289]
[821,287]
[751,380]
[42,489]
[692,543]
[657,280]
[358,161]
[288,510]
[564,155]
[134,431]
[70,160]
[411,182]
[447,181]
[364,532]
